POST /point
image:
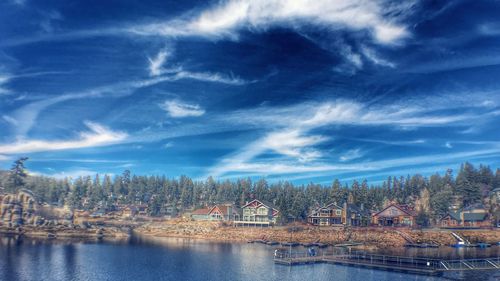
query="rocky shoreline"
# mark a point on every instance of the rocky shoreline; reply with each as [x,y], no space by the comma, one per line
[373,238]
[63,232]
[369,237]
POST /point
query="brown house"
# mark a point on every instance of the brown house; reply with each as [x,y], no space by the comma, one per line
[472,216]
[331,214]
[452,219]
[395,215]
[224,212]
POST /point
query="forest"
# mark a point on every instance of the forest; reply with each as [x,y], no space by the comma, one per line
[431,196]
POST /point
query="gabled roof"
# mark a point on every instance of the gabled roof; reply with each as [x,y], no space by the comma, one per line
[474,216]
[355,209]
[265,203]
[403,208]
[453,215]
[202,211]
[223,209]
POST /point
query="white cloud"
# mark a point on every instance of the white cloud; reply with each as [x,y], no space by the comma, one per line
[4,157]
[4,79]
[293,143]
[226,18]
[156,63]
[374,57]
[351,154]
[291,129]
[448,145]
[10,120]
[97,136]
[177,109]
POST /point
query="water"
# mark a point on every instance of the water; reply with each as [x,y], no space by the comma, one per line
[184,259]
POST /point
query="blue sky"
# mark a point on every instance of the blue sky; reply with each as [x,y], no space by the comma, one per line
[288,90]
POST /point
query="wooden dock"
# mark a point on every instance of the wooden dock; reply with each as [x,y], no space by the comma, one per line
[415,265]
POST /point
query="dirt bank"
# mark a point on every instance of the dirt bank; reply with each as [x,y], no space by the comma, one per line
[372,237]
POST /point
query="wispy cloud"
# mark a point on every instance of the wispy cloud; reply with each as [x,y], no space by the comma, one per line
[156,63]
[97,135]
[226,18]
[351,154]
[296,141]
[448,145]
[372,56]
[4,79]
[177,109]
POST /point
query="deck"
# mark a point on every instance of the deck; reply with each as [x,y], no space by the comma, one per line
[392,263]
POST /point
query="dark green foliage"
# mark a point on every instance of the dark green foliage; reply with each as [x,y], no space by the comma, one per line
[17,175]
[294,201]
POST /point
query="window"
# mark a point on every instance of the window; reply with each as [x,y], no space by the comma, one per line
[338,212]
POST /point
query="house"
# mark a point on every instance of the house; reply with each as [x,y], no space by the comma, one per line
[356,216]
[475,215]
[328,215]
[452,219]
[200,214]
[395,215]
[224,212]
[472,216]
[258,212]
[135,210]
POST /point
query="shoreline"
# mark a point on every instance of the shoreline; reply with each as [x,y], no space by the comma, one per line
[367,237]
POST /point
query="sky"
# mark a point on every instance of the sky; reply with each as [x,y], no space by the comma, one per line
[304,90]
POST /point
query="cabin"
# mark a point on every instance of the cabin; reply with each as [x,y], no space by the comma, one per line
[200,214]
[475,215]
[224,212]
[135,210]
[452,219]
[395,215]
[472,216]
[258,212]
[328,215]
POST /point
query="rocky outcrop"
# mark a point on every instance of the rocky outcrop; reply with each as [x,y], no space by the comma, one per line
[18,209]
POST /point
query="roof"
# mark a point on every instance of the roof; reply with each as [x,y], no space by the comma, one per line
[474,216]
[404,208]
[496,189]
[454,215]
[355,209]
[202,211]
[266,203]
[474,207]
[223,208]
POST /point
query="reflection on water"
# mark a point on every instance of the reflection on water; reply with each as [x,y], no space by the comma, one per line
[186,259]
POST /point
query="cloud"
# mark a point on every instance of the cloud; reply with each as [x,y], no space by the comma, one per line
[372,56]
[225,19]
[351,155]
[97,135]
[293,143]
[177,109]
[10,120]
[156,63]
[27,115]
[290,129]
[4,79]
[448,145]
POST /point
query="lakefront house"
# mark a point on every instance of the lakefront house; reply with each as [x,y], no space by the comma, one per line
[258,213]
[335,215]
[328,215]
[224,212]
[395,215]
[475,215]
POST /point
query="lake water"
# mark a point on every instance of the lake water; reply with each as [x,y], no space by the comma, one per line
[184,259]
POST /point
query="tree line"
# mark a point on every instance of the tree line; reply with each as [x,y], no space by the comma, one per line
[432,196]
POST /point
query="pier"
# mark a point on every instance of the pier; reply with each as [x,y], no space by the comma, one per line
[418,265]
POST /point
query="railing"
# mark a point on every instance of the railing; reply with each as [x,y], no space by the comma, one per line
[388,261]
